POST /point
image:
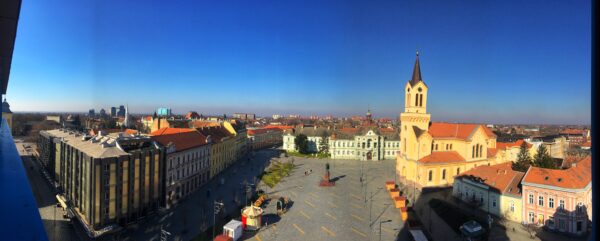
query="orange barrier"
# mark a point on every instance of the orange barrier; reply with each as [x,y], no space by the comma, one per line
[394,193]
[400,201]
[389,185]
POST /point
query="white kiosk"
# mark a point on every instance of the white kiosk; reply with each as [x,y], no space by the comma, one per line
[233,229]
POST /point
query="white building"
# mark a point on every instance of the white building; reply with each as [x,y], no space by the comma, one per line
[364,144]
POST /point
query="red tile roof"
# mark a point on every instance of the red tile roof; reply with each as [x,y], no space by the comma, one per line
[181,140]
[192,115]
[148,118]
[576,177]
[283,128]
[491,152]
[198,124]
[349,129]
[382,130]
[169,130]
[455,130]
[442,157]
[573,132]
[518,143]
[501,178]
[216,133]
[587,144]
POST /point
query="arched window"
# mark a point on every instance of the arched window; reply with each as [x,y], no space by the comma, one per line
[457,170]
[420,99]
[417,100]
[444,174]
[473,153]
[480,150]
[430,175]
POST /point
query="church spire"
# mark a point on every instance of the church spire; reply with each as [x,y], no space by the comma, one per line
[416,77]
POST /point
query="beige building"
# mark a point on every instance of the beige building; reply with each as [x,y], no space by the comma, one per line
[494,189]
[107,180]
[187,162]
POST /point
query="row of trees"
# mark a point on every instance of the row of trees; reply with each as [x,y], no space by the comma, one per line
[541,159]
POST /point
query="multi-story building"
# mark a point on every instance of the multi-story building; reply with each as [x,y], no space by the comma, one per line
[187,161]
[162,111]
[121,112]
[432,153]
[495,189]
[113,111]
[555,145]
[238,129]
[106,181]
[315,136]
[575,137]
[364,143]
[509,151]
[244,116]
[264,137]
[560,200]
[102,112]
[222,148]
[92,113]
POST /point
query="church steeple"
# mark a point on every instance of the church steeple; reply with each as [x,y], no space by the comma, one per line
[416,76]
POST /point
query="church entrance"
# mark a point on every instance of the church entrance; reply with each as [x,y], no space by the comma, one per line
[369,156]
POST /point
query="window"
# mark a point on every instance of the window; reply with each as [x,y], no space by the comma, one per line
[579,225]
[493,202]
[430,175]
[541,201]
[551,202]
[420,99]
[530,198]
[580,207]
[531,217]
[512,207]
[561,224]
[444,174]
[561,204]
[457,171]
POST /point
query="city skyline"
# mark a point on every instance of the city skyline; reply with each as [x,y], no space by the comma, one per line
[487,62]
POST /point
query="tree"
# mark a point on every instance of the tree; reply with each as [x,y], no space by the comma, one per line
[523,159]
[542,159]
[324,145]
[301,143]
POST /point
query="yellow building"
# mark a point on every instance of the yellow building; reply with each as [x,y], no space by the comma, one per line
[7,114]
[222,148]
[431,154]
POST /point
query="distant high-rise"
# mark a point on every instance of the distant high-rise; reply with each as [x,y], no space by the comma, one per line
[163,111]
[102,112]
[121,112]
[113,111]
[91,112]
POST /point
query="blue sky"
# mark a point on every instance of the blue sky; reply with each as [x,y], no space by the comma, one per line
[484,61]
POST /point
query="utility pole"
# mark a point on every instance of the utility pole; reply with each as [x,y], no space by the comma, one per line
[217,208]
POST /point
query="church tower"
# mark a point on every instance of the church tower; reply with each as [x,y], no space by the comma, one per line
[414,120]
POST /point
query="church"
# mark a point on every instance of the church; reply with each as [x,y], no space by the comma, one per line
[432,153]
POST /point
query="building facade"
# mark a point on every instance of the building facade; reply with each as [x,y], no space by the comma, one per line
[559,200]
[222,149]
[260,138]
[431,154]
[107,181]
[369,144]
[187,162]
[315,137]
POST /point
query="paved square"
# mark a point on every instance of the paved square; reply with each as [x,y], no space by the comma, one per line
[334,213]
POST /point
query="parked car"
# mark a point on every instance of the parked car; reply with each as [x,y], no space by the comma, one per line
[472,230]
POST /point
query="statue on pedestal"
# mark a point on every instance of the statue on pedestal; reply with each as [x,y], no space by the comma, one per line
[326,182]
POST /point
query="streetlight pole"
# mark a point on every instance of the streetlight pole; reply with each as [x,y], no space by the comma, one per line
[380,222]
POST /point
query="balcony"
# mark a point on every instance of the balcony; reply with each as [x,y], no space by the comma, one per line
[22,220]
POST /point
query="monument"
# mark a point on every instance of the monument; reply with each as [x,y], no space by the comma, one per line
[326,181]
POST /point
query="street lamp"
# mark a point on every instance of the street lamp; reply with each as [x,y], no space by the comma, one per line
[380,222]
[217,208]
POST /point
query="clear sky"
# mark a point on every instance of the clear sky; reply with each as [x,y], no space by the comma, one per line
[484,61]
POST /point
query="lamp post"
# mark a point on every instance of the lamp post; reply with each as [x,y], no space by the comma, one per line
[217,208]
[380,222]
